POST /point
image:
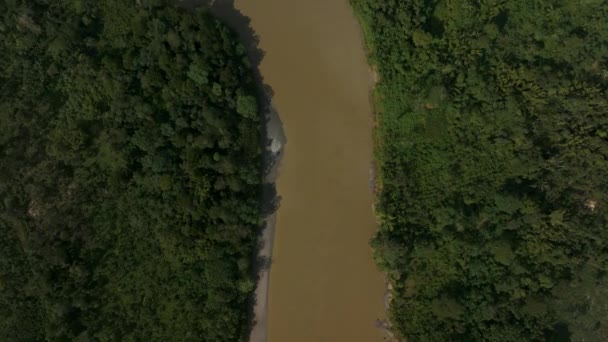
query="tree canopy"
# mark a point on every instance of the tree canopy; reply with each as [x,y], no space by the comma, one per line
[129,173]
[493,157]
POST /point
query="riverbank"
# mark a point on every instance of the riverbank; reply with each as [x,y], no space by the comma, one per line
[376,179]
[272,141]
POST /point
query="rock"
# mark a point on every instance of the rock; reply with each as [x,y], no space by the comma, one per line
[275,146]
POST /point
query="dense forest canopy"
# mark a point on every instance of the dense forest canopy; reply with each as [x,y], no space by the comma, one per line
[129,173]
[493,156]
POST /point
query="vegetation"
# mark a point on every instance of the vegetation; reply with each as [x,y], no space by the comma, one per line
[129,173]
[493,156]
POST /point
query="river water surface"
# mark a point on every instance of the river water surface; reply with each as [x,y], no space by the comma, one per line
[323,283]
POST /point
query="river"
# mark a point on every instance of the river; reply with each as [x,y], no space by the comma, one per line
[323,283]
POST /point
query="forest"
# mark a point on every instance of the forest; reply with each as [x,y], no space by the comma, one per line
[130,172]
[492,148]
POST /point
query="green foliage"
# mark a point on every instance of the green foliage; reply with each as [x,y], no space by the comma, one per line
[129,165]
[493,166]
[247,105]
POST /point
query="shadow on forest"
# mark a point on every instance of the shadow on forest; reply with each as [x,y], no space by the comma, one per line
[272,136]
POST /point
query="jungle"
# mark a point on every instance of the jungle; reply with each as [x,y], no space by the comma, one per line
[129,173]
[492,147]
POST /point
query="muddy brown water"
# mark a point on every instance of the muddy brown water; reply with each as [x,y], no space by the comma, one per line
[324,285]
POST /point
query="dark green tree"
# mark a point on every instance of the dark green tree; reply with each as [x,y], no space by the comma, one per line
[129,173]
[493,158]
